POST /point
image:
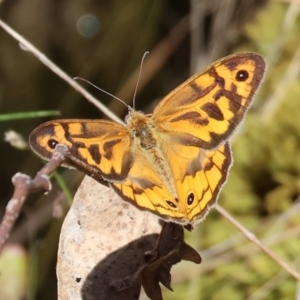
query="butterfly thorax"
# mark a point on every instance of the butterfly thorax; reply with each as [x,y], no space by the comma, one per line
[142,130]
[146,141]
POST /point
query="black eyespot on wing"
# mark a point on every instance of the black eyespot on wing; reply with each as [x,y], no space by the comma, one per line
[191,198]
[171,204]
[242,75]
[52,143]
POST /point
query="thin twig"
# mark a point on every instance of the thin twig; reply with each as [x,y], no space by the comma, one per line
[25,185]
[25,45]
[249,235]
[272,284]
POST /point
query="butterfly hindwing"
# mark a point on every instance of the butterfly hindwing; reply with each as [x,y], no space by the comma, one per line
[198,175]
[146,190]
[202,189]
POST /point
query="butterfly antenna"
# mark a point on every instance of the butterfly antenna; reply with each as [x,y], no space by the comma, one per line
[107,93]
[138,81]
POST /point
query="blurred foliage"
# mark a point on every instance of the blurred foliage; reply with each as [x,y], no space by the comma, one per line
[13,269]
[264,183]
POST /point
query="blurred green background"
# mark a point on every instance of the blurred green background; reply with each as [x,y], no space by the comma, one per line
[103,41]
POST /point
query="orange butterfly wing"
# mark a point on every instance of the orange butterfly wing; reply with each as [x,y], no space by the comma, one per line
[103,147]
[206,109]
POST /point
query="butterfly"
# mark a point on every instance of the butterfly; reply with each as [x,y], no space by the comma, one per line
[174,161]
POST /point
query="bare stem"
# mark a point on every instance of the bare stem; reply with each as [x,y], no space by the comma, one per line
[250,236]
[24,185]
[25,45]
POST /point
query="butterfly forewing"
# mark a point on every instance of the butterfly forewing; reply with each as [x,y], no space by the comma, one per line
[205,110]
[101,144]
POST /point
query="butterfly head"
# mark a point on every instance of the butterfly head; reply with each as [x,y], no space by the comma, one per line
[134,117]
